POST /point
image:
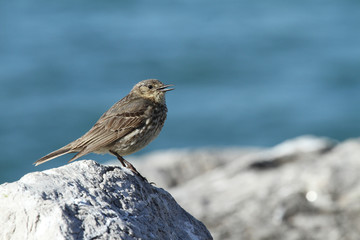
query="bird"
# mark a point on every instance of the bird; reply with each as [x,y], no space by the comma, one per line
[127,127]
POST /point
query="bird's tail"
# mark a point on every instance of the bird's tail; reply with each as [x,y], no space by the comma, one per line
[54,154]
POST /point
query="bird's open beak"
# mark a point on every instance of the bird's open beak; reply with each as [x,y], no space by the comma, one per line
[165,88]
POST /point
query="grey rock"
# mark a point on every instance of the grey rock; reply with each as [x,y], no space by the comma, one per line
[171,168]
[304,188]
[311,192]
[85,200]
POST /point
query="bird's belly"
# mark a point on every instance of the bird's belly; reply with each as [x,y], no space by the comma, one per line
[136,140]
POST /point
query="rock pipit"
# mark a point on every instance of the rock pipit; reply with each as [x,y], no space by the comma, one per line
[128,126]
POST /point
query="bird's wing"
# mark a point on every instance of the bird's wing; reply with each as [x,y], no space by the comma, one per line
[109,128]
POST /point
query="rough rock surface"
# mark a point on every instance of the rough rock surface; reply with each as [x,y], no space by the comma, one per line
[85,200]
[305,188]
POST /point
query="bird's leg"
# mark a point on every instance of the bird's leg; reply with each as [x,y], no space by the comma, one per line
[120,158]
[132,168]
[128,165]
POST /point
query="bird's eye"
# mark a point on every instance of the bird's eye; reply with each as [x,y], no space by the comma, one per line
[150,86]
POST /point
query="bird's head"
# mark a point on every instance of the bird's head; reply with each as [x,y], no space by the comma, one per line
[152,89]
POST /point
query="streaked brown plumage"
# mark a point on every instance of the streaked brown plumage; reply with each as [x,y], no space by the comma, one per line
[128,126]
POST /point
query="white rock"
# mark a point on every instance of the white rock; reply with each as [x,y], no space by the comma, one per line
[85,200]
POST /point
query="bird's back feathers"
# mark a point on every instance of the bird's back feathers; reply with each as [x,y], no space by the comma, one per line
[121,119]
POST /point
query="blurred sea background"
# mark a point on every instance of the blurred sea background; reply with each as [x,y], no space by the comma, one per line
[247,73]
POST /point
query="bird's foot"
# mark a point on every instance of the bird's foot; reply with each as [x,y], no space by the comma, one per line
[129,166]
[133,169]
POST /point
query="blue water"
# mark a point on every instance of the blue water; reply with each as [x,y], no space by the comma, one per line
[246,72]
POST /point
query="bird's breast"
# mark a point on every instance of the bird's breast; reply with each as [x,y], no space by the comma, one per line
[144,134]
